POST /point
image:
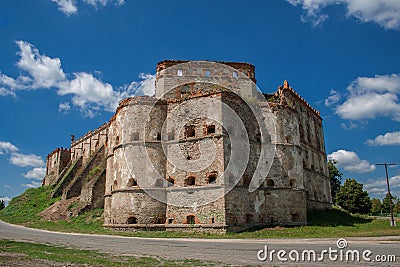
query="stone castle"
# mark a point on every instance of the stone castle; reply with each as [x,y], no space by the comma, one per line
[130,165]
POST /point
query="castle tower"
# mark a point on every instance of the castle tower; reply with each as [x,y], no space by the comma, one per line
[135,164]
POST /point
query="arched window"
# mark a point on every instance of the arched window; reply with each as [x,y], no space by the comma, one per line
[210,129]
[270,183]
[115,185]
[190,181]
[132,182]
[132,220]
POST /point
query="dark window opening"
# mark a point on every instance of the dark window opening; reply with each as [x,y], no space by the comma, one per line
[246,180]
[288,139]
[307,194]
[270,183]
[210,129]
[116,141]
[190,131]
[212,220]
[170,220]
[301,130]
[158,137]
[258,137]
[159,221]
[115,185]
[185,90]
[212,178]
[131,220]
[249,218]
[292,182]
[132,182]
[188,157]
[295,217]
[171,181]
[190,181]
[190,219]
[135,136]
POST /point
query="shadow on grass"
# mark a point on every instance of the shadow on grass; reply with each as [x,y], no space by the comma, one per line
[334,217]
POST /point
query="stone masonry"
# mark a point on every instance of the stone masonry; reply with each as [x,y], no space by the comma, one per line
[132,165]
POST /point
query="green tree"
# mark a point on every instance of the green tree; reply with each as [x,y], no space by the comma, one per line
[376,205]
[386,204]
[353,198]
[335,177]
[2,204]
[397,206]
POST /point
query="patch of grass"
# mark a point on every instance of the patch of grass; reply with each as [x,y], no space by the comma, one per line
[26,207]
[92,173]
[85,257]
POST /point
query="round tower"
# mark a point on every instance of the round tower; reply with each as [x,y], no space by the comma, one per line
[136,164]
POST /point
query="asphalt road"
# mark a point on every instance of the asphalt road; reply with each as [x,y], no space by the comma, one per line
[226,251]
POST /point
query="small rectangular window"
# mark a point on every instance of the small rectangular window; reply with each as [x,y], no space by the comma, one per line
[179,72]
[208,74]
[234,74]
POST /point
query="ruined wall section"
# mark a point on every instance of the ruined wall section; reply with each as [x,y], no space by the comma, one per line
[56,161]
[171,74]
[195,140]
[135,162]
[307,135]
[89,143]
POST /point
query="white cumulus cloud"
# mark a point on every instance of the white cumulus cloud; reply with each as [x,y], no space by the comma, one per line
[385,13]
[7,147]
[33,184]
[64,107]
[45,71]
[333,98]
[350,161]
[387,139]
[378,186]
[88,93]
[68,7]
[370,97]
[36,173]
[24,160]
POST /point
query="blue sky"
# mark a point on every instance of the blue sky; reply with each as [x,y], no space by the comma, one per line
[64,64]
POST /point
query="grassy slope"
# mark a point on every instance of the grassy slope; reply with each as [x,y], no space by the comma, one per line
[334,223]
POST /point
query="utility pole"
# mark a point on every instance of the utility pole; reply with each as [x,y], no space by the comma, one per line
[392,222]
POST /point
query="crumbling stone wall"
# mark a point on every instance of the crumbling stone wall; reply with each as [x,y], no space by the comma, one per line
[56,161]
